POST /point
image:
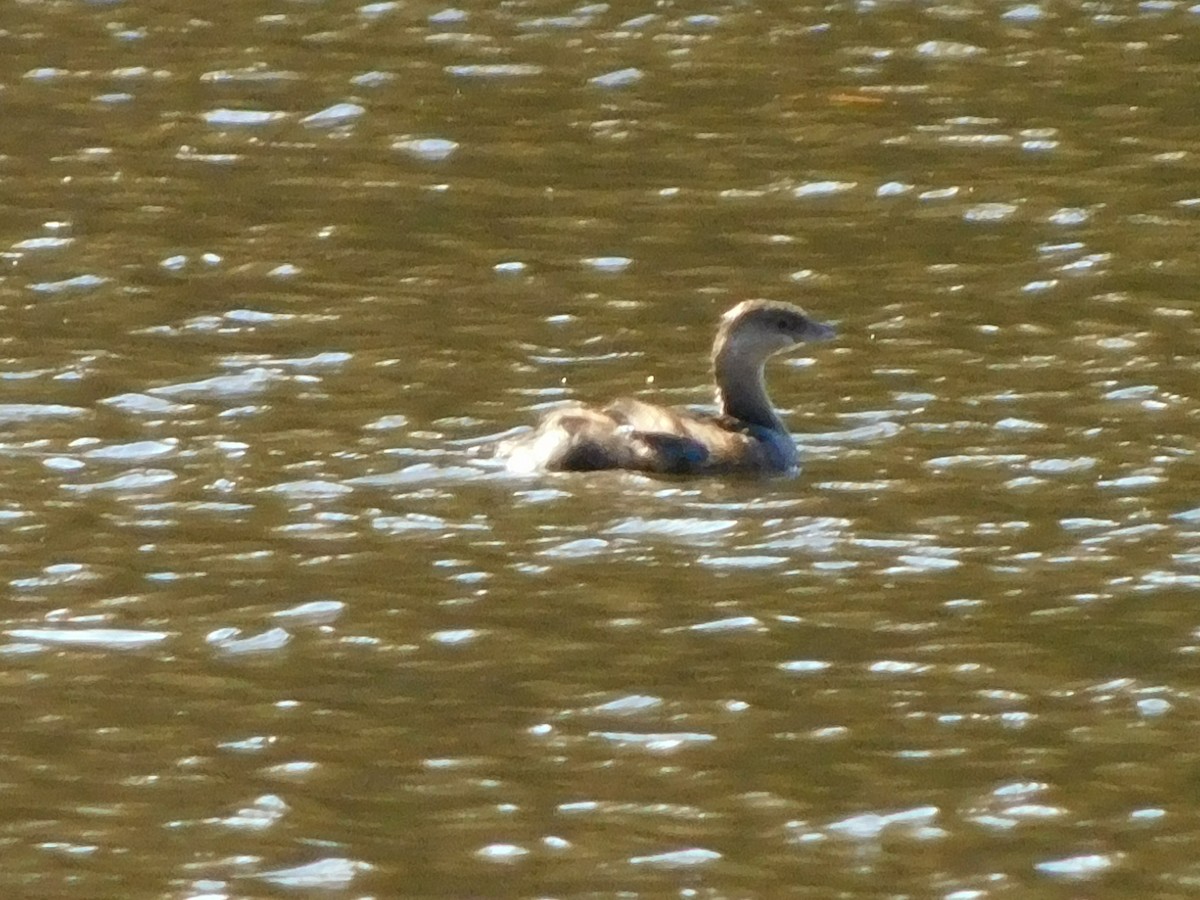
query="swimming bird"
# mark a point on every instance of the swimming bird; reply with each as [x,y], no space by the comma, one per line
[744,435]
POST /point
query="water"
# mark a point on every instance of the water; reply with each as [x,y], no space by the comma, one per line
[273,630]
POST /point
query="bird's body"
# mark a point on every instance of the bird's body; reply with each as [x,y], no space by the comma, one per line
[745,435]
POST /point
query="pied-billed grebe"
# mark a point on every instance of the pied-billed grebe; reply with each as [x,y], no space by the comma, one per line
[746,434]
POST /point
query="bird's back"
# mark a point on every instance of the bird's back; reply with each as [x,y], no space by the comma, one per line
[632,434]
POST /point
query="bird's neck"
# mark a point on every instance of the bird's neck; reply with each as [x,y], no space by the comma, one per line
[741,390]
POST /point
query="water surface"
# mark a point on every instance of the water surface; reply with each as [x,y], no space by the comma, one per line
[272,630]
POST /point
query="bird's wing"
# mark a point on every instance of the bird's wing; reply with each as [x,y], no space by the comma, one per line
[575,438]
[686,442]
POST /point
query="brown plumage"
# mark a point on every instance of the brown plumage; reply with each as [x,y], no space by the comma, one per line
[746,434]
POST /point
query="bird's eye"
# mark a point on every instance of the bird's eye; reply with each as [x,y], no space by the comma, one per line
[781,324]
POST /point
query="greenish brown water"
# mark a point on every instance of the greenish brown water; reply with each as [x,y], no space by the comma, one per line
[271,630]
